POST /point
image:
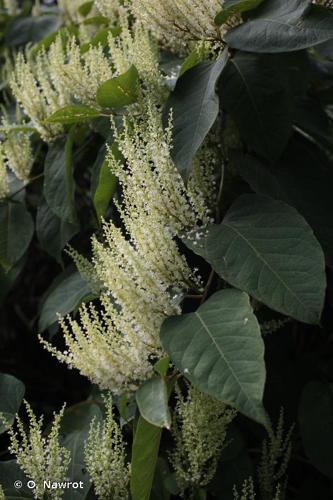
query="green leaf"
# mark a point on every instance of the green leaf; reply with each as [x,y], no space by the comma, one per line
[58,179]
[66,33]
[195,106]
[77,471]
[101,38]
[8,279]
[53,233]
[256,96]
[120,91]
[152,400]
[85,8]
[70,292]
[78,417]
[219,349]
[267,249]
[233,7]
[103,182]
[96,20]
[22,30]
[283,27]
[162,366]
[11,395]
[75,113]
[195,57]
[316,425]
[311,195]
[10,472]
[16,232]
[145,449]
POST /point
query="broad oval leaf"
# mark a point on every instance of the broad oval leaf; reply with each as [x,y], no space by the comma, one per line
[219,348]
[64,298]
[10,472]
[30,29]
[233,7]
[267,249]
[77,471]
[316,425]
[52,232]
[283,27]
[152,400]
[16,231]
[58,179]
[311,195]
[195,105]
[255,94]
[120,91]
[76,113]
[11,395]
[103,181]
[145,449]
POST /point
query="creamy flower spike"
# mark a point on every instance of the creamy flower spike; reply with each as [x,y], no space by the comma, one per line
[141,269]
[62,75]
[181,21]
[324,3]
[17,151]
[11,6]
[200,431]
[110,8]
[37,93]
[105,458]
[41,458]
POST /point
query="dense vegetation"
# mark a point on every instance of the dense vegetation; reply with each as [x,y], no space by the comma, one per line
[166,249]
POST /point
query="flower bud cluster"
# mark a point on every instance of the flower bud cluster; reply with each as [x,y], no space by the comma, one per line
[105,458]
[41,458]
[199,430]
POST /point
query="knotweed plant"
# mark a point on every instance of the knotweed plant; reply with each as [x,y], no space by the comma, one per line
[199,430]
[40,457]
[105,458]
[140,267]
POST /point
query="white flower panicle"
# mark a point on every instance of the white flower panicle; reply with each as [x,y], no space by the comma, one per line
[105,458]
[4,188]
[2,494]
[41,458]
[17,150]
[181,20]
[111,9]
[62,75]
[275,457]
[80,75]
[11,6]
[324,3]
[199,429]
[247,492]
[140,268]
[38,95]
